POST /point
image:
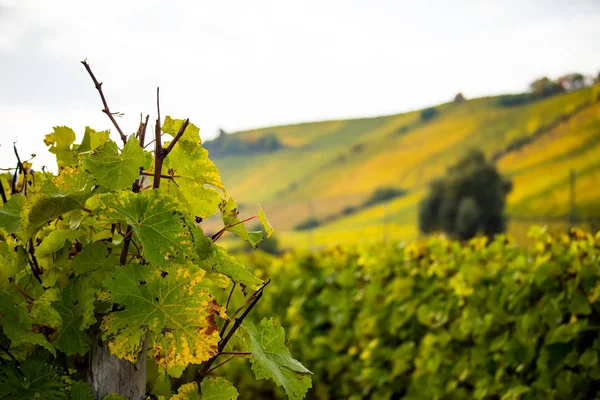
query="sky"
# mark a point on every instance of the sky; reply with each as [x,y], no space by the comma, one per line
[245,64]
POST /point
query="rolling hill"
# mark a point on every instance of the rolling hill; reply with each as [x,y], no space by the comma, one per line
[322,170]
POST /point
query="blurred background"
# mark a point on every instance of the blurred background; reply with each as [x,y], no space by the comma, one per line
[334,116]
[363,129]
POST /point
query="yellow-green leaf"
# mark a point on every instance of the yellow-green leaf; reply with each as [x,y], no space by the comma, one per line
[191,134]
[168,305]
[218,388]
[156,221]
[264,222]
[116,170]
[271,359]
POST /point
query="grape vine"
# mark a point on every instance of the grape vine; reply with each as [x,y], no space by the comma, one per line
[110,254]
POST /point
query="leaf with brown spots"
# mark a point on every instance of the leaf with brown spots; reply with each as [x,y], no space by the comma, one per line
[179,315]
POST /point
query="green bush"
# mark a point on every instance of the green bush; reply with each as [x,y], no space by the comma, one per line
[469,199]
[442,320]
[428,113]
[308,224]
[383,194]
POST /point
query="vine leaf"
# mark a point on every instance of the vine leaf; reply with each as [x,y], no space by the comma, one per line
[116,170]
[189,391]
[67,192]
[56,241]
[188,162]
[271,359]
[170,306]
[81,391]
[191,134]
[10,213]
[218,389]
[114,396]
[44,314]
[230,214]
[264,222]
[76,309]
[157,222]
[60,141]
[94,259]
[92,139]
[18,325]
[37,381]
[8,265]
[217,260]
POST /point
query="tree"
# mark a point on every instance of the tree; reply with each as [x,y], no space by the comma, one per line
[428,113]
[469,199]
[572,81]
[459,98]
[544,87]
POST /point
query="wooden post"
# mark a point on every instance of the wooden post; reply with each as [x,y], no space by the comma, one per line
[108,374]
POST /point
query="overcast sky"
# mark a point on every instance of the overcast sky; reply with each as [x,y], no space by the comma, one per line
[252,63]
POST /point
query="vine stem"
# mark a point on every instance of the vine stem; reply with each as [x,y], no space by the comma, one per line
[220,233]
[28,297]
[252,300]
[20,168]
[230,294]
[106,110]
[35,267]
[2,193]
[219,364]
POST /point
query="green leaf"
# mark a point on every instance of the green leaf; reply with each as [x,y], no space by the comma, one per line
[218,389]
[96,259]
[264,222]
[76,309]
[188,391]
[81,391]
[10,213]
[8,265]
[191,134]
[116,170]
[114,396]
[158,381]
[230,214]
[189,164]
[67,192]
[580,305]
[515,393]
[60,141]
[157,223]
[40,381]
[271,359]
[92,140]
[564,333]
[169,305]
[56,241]
[219,261]
[18,325]
[589,358]
[61,138]
[44,314]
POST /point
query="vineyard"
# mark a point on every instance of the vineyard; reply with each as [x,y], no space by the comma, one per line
[342,163]
[438,319]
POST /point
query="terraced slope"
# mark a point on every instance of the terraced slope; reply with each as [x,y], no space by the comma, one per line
[328,166]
